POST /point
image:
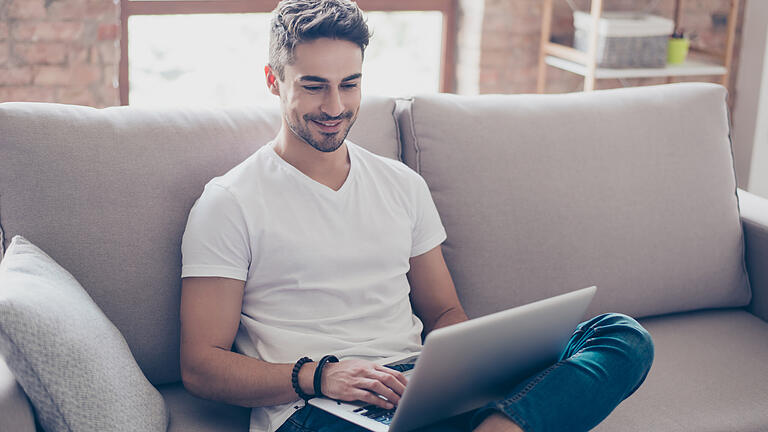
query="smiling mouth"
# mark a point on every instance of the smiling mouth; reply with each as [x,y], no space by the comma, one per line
[328,126]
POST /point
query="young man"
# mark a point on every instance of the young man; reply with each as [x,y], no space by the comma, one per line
[314,246]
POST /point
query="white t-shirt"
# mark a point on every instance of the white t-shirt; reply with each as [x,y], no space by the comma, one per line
[324,270]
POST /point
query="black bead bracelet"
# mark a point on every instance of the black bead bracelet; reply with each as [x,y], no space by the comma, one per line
[295,378]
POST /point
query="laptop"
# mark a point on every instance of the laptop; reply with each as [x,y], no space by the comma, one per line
[466,365]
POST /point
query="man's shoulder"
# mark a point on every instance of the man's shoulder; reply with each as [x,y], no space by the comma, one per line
[244,173]
[382,165]
[241,180]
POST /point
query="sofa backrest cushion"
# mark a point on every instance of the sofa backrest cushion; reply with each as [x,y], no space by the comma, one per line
[632,190]
[107,192]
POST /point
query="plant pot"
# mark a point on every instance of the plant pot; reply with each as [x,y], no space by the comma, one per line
[677,50]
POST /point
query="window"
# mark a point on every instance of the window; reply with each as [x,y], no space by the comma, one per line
[212,53]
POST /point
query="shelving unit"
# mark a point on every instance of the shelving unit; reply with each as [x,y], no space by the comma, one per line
[585,63]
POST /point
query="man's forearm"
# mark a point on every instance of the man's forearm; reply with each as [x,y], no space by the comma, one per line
[236,379]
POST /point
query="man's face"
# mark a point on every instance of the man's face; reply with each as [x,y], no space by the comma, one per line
[320,93]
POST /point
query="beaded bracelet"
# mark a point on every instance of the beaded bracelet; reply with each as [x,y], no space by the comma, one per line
[295,378]
[319,372]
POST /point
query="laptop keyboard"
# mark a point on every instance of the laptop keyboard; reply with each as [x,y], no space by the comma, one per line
[382,415]
[402,367]
[373,412]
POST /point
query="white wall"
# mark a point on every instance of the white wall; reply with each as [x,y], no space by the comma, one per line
[750,134]
[758,173]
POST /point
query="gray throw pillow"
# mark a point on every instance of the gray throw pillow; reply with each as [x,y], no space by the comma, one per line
[72,362]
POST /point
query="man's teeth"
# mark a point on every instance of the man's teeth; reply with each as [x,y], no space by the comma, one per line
[328,123]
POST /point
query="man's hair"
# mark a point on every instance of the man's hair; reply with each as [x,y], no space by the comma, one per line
[299,21]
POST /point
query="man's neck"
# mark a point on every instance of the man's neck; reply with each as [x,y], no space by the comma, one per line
[329,168]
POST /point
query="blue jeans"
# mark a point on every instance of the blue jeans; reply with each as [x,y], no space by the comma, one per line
[605,361]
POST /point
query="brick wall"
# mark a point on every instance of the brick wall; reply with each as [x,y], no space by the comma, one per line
[64,51]
[511,35]
[67,51]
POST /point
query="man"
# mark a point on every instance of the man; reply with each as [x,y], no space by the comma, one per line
[314,246]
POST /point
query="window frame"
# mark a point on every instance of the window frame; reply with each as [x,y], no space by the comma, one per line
[130,8]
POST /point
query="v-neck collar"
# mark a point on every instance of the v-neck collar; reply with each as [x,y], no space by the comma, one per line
[312,183]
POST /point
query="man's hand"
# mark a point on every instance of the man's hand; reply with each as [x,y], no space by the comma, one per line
[355,379]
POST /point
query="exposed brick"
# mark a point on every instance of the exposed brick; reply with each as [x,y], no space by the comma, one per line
[85,74]
[107,96]
[102,9]
[109,53]
[512,24]
[696,22]
[77,96]
[497,41]
[80,54]
[5,50]
[27,9]
[15,76]
[497,59]
[90,32]
[30,94]
[68,9]
[109,31]
[110,75]
[489,76]
[41,52]
[520,75]
[52,75]
[75,75]
[47,31]
[3,31]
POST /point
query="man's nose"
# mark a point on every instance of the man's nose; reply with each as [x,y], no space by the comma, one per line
[333,106]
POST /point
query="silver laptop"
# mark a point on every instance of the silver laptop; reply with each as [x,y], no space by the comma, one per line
[466,365]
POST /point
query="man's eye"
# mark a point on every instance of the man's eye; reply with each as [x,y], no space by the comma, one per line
[313,88]
[349,86]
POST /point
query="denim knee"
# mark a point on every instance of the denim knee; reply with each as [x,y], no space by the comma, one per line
[637,342]
[606,360]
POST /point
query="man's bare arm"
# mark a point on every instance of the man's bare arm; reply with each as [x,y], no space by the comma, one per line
[210,315]
[433,294]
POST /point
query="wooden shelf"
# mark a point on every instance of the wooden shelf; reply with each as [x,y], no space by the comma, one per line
[585,63]
[688,68]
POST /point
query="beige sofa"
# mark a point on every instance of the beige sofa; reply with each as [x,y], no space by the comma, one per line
[632,190]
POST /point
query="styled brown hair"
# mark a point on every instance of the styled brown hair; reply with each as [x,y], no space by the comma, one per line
[298,21]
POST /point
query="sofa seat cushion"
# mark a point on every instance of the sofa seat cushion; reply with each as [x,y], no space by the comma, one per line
[192,414]
[709,374]
[15,409]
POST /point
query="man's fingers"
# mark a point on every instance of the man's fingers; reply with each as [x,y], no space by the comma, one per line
[397,374]
[391,382]
[365,381]
[377,387]
[372,399]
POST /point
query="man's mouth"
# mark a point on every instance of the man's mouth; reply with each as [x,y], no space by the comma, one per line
[328,126]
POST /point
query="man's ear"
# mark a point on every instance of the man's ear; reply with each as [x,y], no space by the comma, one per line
[269,74]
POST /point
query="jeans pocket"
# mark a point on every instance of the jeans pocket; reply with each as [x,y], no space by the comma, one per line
[292,425]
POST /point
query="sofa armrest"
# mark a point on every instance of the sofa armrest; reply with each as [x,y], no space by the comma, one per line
[15,410]
[754,218]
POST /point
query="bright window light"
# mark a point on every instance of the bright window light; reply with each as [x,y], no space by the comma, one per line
[218,59]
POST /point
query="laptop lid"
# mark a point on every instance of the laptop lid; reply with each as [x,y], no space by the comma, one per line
[466,365]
